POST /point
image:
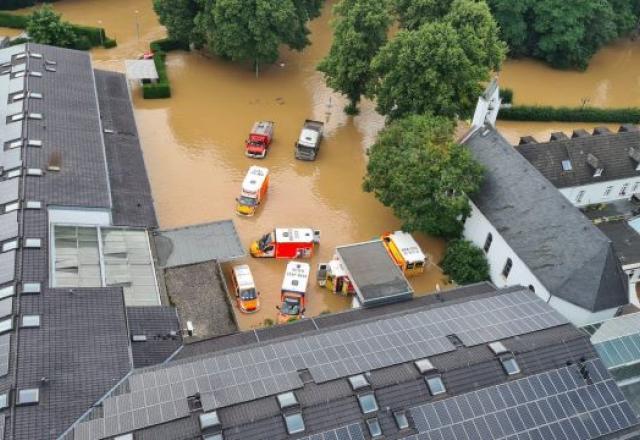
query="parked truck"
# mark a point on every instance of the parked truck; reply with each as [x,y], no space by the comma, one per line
[254,190]
[259,139]
[405,252]
[294,288]
[334,277]
[286,243]
[308,143]
[244,289]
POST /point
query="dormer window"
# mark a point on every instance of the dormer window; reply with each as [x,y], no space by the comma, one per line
[595,164]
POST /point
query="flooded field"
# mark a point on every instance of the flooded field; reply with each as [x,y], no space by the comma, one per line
[194,148]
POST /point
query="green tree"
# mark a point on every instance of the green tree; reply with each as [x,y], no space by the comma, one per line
[360,29]
[515,28]
[178,17]
[418,171]
[414,13]
[45,26]
[465,263]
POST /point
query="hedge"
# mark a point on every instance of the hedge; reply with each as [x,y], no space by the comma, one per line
[568,114]
[96,36]
[13,21]
[162,88]
[167,45]
[507,95]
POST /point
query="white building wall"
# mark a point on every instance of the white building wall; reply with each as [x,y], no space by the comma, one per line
[633,272]
[476,229]
[594,193]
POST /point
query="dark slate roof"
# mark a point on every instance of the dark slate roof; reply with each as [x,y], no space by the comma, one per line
[130,189]
[161,329]
[81,350]
[563,249]
[477,387]
[376,278]
[71,126]
[626,241]
[611,150]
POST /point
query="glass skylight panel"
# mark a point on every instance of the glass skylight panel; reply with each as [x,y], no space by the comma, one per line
[435,385]
[34,172]
[35,55]
[14,173]
[424,365]
[18,74]
[368,403]
[34,143]
[4,401]
[294,422]
[566,165]
[497,347]
[359,381]
[6,325]
[18,117]
[33,204]
[34,243]
[31,288]
[37,116]
[36,74]
[21,56]
[374,427]
[10,246]
[28,396]
[10,207]
[8,291]
[209,420]
[128,436]
[286,400]
[35,95]
[217,436]
[15,144]
[18,97]
[402,422]
[30,321]
[510,365]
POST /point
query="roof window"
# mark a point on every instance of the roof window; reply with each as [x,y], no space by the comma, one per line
[510,365]
[14,173]
[18,97]
[10,246]
[37,116]
[4,400]
[373,425]
[31,288]
[358,382]
[34,143]
[217,436]
[17,74]
[30,321]
[35,95]
[497,347]
[566,165]
[128,436]
[294,422]
[35,74]
[424,366]
[6,325]
[435,385]
[368,403]
[33,204]
[14,144]
[17,117]
[209,420]
[402,422]
[10,207]
[28,396]
[35,55]
[287,400]
[7,291]
[37,172]
[32,243]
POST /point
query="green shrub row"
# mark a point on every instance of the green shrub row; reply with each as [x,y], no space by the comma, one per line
[13,20]
[167,45]
[162,88]
[507,95]
[568,114]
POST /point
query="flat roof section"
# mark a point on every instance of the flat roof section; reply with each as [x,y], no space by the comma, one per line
[376,278]
[216,241]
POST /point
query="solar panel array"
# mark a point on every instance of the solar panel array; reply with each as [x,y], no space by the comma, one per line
[349,432]
[228,379]
[558,404]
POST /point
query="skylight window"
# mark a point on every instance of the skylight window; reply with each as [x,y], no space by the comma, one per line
[435,385]
[37,172]
[209,420]
[28,396]
[10,246]
[15,144]
[18,97]
[374,427]
[286,400]
[35,95]
[402,422]
[497,347]
[424,366]
[4,400]
[33,243]
[33,204]
[10,207]
[34,143]
[6,325]
[14,173]
[18,117]
[368,403]
[139,338]
[358,382]
[37,116]
[566,165]
[217,436]
[17,74]
[30,321]
[36,55]
[36,74]
[8,291]
[124,437]
[510,365]
[294,422]
[31,288]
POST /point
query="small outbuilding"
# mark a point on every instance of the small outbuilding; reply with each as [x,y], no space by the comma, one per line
[141,70]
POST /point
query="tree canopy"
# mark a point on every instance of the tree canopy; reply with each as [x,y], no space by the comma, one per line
[465,263]
[414,13]
[564,33]
[178,17]
[439,67]
[416,169]
[45,26]
[360,29]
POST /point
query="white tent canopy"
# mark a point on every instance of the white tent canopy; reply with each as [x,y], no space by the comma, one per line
[138,70]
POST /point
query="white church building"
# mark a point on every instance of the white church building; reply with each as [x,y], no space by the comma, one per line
[532,235]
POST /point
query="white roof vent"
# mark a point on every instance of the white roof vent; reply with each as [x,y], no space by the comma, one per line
[424,366]
[498,348]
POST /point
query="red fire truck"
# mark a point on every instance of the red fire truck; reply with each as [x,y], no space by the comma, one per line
[259,139]
[286,243]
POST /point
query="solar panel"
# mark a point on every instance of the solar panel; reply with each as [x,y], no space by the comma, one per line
[577,409]
[349,432]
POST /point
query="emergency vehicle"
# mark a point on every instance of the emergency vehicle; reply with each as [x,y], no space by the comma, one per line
[308,143]
[294,287]
[405,252]
[259,139]
[244,289]
[286,243]
[334,277]
[254,190]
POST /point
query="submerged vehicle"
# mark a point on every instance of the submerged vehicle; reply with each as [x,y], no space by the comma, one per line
[334,277]
[254,189]
[259,139]
[286,243]
[405,252]
[294,288]
[244,289]
[308,143]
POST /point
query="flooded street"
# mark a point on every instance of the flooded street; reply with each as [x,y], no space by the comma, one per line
[194,149]
[194,142]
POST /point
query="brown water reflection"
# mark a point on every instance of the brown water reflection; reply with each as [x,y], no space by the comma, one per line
[194,148]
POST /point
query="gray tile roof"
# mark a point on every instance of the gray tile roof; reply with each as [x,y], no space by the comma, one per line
[471,373]
[161,328]
[610,149]
[376,278]
[626,241]
[217,241]
[563,249]
[130,189]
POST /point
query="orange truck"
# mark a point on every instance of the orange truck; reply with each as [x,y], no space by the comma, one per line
[259,139]
[286,243]
[244,289]
[294,288]
[254,190]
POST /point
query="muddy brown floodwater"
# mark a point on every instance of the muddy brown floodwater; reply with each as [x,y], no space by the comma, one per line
[194,150]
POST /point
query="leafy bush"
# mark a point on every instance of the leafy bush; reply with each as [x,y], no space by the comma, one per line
[506,95]
[167,45]
[82,43]
[162,88]
[13,21]
[568,114]
[17,41]
[95,36]
[110,43]
[465,263]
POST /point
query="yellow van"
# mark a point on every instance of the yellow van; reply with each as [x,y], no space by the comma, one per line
[405,252]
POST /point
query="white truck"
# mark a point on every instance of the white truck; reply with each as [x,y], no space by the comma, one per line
[308,143]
